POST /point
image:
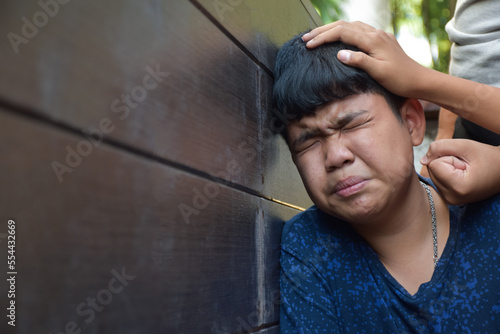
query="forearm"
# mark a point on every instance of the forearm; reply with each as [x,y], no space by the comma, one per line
[470,100]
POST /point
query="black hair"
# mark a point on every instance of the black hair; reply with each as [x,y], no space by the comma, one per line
[306,79]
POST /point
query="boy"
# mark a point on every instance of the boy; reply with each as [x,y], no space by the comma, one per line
[380,251]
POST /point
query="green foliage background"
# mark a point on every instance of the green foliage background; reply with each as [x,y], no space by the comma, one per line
[426,18]
[329,10]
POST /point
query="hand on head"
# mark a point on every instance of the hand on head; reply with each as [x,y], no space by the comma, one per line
[382,57]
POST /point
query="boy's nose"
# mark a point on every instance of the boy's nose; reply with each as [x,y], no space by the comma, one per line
[336,152]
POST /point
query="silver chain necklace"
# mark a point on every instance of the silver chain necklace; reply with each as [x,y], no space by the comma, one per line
[434,228]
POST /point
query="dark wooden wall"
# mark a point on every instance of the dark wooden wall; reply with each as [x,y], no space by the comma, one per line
[138,163]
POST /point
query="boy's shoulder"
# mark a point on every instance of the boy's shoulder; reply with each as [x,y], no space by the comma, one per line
[314,231]
[482,213]
[488,209]
[303,221]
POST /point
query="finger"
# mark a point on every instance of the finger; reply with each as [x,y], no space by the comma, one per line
[331,35]
[432,153]
[315,32]
[453,189]
[436,150]
[320,30]
[453,161]
[446,147]
[344,34]
[443,171]
[459,163]
[442,166]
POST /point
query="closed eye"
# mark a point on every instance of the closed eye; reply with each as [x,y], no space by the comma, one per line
[356,124]
[306,146]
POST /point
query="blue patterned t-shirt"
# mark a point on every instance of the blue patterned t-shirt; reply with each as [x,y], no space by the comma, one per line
[333,282]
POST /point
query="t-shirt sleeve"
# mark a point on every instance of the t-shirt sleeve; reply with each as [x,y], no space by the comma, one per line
[306,299]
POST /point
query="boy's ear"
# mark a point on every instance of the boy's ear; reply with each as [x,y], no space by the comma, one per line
[413,118]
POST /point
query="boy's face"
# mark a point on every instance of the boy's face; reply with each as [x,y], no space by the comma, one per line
[355,157]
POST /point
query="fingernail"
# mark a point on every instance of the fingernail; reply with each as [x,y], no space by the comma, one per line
[311,42]
[424,160]
[344,56]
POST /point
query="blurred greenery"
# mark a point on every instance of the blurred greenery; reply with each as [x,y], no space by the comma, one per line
[328,10]
[435,14]
[423,17]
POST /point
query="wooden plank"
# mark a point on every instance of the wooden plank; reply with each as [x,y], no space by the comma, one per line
[270,330]
[158,77]
[312,12]
[118,216]
[281,175]
[262,26]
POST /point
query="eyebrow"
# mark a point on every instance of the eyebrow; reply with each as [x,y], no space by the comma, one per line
[345,119]
[305,136]
[340,122]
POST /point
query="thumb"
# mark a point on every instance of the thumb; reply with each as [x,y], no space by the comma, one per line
[354,58]
[445,147]
[435,151]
